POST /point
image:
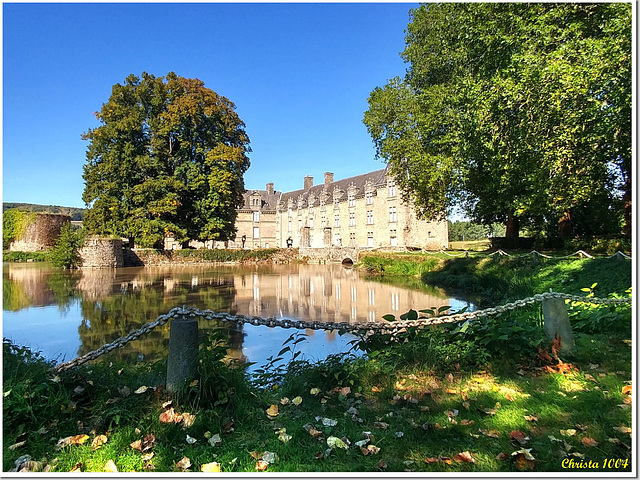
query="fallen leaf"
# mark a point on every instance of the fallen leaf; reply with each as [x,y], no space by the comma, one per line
[184,463]
[170,416]
[272,411]
[335,442]
[327,422]
[489,433]
[136,445]
[297,401]
[190,440]
[215,440]
[519,437]
[285,401]
[110,467]
[194,383]
[502,456]
[370,450]
[523,460]
[210,467]
[376,389]
[626,390]
[570,432]
[141,390]
[261,465]
[446,460]
[76,468]
[467,422]
[623,429]
[124,391]
[344,391]
[589,442]
[314,391]
[147,456]
[627,400]
[451,391]
[283,436]
[17,445]
[269,457]
[187,420]
[431,460]
[315,433]
[531,418]
[98,441]
[509,397]
[228,427]
[78,390]
[381,425]
[73,440]
[255,455]
[382,465]
[464,457]
[167,403]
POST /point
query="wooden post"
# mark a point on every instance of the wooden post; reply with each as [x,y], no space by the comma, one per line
[556,322]
[183,352]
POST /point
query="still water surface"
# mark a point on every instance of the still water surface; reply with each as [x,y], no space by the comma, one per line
[67,314]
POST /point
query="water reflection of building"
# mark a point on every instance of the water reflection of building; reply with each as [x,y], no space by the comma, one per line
[325,293]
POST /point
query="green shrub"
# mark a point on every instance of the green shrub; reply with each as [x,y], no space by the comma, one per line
[223,255]
[66,252]
[24,256]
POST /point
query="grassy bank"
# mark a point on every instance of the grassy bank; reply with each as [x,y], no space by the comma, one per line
[488,397]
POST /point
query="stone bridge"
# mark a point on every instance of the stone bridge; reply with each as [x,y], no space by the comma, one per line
[331,254]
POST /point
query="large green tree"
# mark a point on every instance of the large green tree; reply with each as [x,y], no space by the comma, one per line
[169,156]
[520,113]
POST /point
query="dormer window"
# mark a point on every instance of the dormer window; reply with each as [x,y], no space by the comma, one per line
[392,187]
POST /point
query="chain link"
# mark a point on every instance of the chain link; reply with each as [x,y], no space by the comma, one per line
[179,312]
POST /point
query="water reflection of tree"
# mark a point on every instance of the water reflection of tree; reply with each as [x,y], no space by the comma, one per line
[116,315]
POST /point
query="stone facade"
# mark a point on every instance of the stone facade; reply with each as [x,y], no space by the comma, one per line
[365,211]
[102,253]
[41,233]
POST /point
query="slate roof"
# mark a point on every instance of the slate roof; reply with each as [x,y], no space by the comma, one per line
[270,202]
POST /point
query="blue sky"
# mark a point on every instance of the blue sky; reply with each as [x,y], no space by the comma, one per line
[299,74]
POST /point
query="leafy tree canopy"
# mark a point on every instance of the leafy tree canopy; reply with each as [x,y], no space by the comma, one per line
[520,113]
[169,156]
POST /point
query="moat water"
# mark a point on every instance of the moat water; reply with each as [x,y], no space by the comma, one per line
[66,314]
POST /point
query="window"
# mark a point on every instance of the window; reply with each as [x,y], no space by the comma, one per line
[310,222]
[352,219]
[369,198]
[393,215]
[323,221]
[299,224]
[256,216]
[289,212]
[352,239]
[337,241]
[392,188]
[336,222]
[369,217]
[289,229]
[256,232]
[311,209]
[369,239]
[352,201]
[393,239]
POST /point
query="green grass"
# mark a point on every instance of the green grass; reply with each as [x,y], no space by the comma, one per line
[8,256]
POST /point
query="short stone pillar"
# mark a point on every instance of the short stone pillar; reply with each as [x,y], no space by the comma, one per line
[183,352]
[556,321]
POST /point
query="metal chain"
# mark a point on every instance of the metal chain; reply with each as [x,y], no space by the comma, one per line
[579,253]
[342,326]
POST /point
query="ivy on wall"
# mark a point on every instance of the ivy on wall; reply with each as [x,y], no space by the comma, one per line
[14,225]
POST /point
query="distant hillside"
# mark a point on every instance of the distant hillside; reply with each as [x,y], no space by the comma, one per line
[73,212]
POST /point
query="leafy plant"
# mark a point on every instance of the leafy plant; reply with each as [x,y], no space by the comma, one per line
[14,225]
[66,252]
[275,369]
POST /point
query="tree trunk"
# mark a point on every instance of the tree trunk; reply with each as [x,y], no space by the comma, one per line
[565,226]
[513,226]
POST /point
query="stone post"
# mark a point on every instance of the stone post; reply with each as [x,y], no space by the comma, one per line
[183,352]
[535,258]
[556,321]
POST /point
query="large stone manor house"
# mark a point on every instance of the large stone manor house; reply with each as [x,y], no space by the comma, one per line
[362,211]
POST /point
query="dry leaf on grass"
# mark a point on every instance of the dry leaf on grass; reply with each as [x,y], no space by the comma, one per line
[210,467]
[523,460]
[518,436]
[170,416]
[110,467]
[17,445]
[531,418]
[261,465]
[73,440]
[626,390]
[184,463]
[464,457]
[589,442]
[297,401]
[272,411]
[98,441]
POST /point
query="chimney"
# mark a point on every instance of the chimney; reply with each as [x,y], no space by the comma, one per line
[269,188]
[328,178]
[308,182]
